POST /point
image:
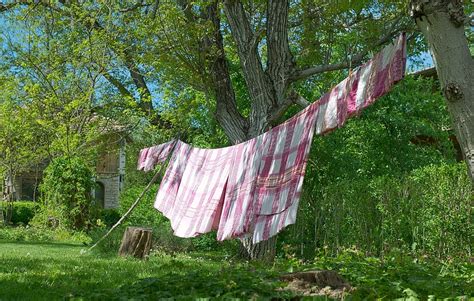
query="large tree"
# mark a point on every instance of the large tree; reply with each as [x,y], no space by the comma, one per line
[443,22]
[271,71]
[252,60]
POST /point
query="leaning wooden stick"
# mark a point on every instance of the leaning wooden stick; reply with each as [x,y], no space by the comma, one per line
[153,180]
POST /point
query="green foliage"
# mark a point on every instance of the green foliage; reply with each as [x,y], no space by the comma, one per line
[23,211]
[58,271]
[200,283]
[398,275]
[35,235]
[373,185]
[109,216]
[429,212]
[66,194]
[426,212]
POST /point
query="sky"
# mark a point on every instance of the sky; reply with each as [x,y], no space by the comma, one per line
[414,63]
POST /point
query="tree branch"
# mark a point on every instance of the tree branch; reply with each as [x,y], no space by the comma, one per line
[293,98]
[356,59]
[137,77]
[117,84]
[227,114]
[139,4]
[280,59]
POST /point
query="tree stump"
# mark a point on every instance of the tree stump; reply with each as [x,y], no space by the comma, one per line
[136,242]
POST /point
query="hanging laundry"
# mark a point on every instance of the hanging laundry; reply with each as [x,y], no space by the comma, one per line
[238,202]
[283,151]
[265,183]
[280,176]
[253,188]
[362,87]
[151,156]
[193,187]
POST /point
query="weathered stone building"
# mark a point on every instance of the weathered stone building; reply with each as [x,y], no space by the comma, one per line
[110,174]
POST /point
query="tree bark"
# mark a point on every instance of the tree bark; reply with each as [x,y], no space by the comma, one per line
[259,83]
[263,251]
[234,124]
[442,24]
[136,242]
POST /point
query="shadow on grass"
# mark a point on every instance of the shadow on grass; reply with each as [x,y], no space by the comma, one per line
[43,243]
[62,274]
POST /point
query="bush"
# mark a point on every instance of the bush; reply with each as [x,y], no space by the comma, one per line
[66,194]
[109,216]
[23,211]
[428,211]
[33,234]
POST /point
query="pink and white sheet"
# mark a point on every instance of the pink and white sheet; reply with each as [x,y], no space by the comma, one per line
[151,156]
[253,188]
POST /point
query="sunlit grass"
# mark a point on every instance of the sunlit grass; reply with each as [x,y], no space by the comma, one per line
[40,271]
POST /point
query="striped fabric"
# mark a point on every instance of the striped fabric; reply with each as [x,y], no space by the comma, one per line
[280,175]
[286,147]
[151,156]
[193,187]
[253,188]
[362,87]
[239,196]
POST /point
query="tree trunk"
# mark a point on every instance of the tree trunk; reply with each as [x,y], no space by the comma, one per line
[136,242]
[442,24]
[264,251]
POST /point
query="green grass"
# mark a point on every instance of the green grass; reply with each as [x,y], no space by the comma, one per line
[55,270]
[39,271]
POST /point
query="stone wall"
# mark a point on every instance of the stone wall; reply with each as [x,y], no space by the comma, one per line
[111,189]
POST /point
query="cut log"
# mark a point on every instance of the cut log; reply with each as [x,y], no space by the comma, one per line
[321,278]
[136,242]
[317,283]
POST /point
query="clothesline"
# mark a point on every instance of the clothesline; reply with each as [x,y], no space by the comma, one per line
[254,187]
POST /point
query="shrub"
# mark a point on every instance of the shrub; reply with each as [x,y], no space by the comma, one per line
[23,211]
[109,216]
[66,194]
[33,234]
[427,211]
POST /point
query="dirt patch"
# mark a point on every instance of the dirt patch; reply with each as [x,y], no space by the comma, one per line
[317,283]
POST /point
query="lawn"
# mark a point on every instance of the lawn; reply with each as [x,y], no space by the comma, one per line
[34,271]
[57,270]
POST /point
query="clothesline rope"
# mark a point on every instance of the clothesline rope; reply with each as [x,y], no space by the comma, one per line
[253,188]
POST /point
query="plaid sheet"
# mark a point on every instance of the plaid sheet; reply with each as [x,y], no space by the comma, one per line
[253,188]
[151,156]
[362,87]
[192,189]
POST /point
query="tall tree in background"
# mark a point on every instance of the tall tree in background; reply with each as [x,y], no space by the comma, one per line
[442,22]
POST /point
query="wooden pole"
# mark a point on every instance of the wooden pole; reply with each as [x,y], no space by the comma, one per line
[153,180]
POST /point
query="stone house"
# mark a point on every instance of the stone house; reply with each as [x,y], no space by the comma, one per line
[110,175]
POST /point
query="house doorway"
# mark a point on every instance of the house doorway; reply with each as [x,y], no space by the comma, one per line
[100,194]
